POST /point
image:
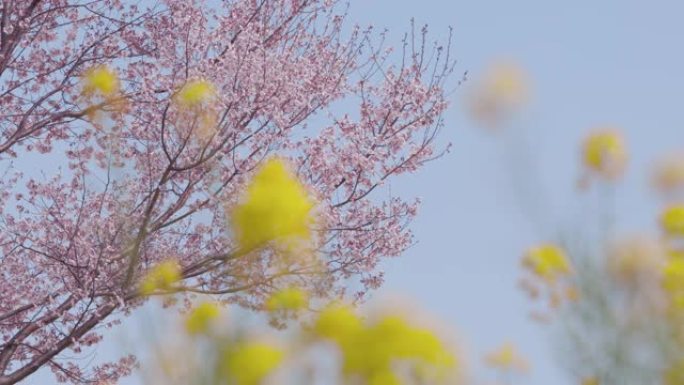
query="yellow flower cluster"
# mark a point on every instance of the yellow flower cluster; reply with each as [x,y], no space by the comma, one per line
[161,277]
[249,363]
[604,153]
[195,93]
[507,358]
[276,208]
[547,261]
[370,351]
[672,220]
[100,80]
[200,318]
[289,299]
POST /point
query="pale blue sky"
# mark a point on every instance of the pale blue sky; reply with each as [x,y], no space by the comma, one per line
[593,62]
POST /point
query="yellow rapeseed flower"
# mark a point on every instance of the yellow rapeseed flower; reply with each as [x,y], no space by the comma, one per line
[385,377]
[605,153]
[547,261]
[291,298]
[100,80]
[672,220]
[591,381]
[160,277]
[502,89]
[337,322]
[200,318]
[251,362]
[507,358]
[371,351]
[276,207]
[673,281]
[674,374]
[195,93]
[636,260]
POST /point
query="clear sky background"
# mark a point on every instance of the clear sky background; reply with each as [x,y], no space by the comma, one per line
[592,62]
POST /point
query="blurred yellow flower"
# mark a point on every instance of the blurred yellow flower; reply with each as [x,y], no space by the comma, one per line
[371,351]
[160,277]
[100,80]
[195,93]
[673,281]
[250,363]
[674,374]
[591,381]
[502,89]
[636,260]
[385,377]
[669,173]
[547,261]
[672,220]
[605,153]
[337,322]
[291,298]
[507,358]
[199,319]
[276,207]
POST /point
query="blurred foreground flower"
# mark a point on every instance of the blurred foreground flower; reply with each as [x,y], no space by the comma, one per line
[673,281]
[605,153]
[289,299]
[160,277]
[276,208]
[507,359]
[101,81]
[200,318]
[498,94]
[195,93]
[249,363]
[636,261]
[668,175]
[547,261]
[371,351]
[672,220]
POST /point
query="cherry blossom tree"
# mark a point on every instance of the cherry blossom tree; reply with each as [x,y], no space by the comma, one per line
[155,115]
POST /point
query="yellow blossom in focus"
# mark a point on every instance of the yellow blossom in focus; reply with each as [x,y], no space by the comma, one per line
[547,261]
[669,173]
[160,277]
[100,80]
[672,220]
[251,362]
[195,93]
[276,207]
[288,299]
[605,153]
[199,319]
[507,358]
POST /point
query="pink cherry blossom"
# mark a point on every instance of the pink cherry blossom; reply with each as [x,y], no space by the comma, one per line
[134,183]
